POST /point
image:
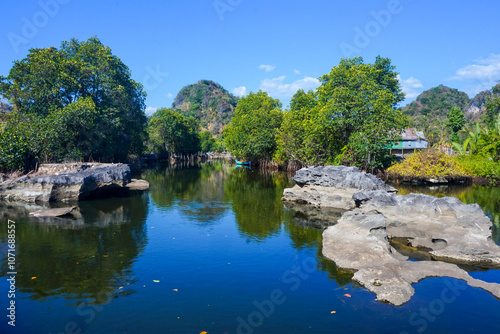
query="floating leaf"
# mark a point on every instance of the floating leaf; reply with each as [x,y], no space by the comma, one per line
[347,295]
[156,281]
[203,332]
[34,277]
[176,290]
[333,312]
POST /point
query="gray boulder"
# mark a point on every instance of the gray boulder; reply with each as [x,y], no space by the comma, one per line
[332,186]
[66,186]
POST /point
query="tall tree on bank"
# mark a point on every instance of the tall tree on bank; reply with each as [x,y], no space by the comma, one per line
[251,135]
[455,122]
[49,80]
[171,132]
[353,120]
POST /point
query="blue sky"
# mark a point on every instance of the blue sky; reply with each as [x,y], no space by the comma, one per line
[276,46]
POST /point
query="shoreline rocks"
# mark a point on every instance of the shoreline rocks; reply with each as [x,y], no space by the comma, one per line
[68,183]
[332,186]
[449,230]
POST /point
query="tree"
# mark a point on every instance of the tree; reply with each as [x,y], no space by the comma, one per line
[455,122]
[351,119]
[170,132]
[251,135]
[294,145]
[207,142]
[50,79]
[493,107]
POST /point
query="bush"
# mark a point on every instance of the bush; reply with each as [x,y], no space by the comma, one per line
[428,164]
[480,166]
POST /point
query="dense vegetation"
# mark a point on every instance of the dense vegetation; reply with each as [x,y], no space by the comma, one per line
[77,102]
[251,135]
[207,102]
[349,119]
[170,132]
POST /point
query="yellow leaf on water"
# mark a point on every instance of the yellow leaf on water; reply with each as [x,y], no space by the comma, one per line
[156,281]
[104,256]
[34,277]
[347,295]
[203,332]
[333,312]
[176,290]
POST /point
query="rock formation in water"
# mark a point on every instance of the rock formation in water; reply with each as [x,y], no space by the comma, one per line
[332,186]
[67,185]
[449,230]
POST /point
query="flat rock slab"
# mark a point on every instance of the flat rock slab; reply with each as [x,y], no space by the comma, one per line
[58,212]
[359,242]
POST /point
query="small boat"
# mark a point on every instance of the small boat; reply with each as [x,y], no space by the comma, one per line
[243,162]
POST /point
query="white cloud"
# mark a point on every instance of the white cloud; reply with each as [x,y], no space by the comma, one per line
[485,69]
[296,71]
[276,87]
[170,96]
[240,91]
[267,68]
[480,76]
[150,110]
[411,87]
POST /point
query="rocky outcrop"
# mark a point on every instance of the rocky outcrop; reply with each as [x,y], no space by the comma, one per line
[67,185]
[450,231]
[332,186]
[359,242]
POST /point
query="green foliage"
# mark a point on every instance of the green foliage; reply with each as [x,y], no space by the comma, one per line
[480,166]
[22,140]
[251,135]
[349,119]
[293,142]
[207,142]
[428,164]
[209,103]
[170,132]
[85,81]
[455,122]
[493,107]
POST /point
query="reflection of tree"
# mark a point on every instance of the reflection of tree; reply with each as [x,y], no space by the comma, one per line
[198,192]
[304,225]
[256,200]
[81,261]
[488,198]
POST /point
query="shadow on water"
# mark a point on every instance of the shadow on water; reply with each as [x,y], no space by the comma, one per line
[84,258]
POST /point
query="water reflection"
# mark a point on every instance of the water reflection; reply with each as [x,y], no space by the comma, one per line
[82,258]
[305,226]
[198,191]
[256,201]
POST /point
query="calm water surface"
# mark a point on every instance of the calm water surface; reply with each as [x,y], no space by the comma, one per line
[213,249]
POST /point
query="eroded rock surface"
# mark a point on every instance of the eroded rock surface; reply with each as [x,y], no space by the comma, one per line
[332,186]
[66,186]
[359,242]
[449,230]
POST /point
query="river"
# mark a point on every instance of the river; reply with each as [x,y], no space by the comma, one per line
[211,248]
